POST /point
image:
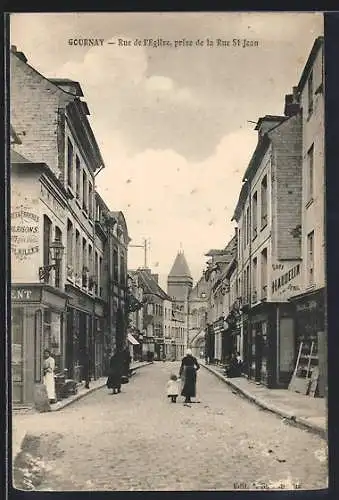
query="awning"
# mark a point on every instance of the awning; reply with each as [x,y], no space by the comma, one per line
[131,339]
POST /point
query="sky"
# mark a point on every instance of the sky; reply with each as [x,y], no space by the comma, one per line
[174,122]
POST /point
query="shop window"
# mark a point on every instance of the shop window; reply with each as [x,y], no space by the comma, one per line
[17,332]
[310,258]
[37,346]
[70,153]
[47,340]
[255,215]
[264,200]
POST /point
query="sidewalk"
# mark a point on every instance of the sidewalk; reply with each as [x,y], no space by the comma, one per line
[305,411]
[22,422]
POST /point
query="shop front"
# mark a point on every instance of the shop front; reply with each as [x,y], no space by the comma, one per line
[80,337]
[271,344]
[37,324]
[310,330]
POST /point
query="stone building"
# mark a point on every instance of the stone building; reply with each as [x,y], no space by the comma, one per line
[155,301]
[198,302]
[54,165]
[268,214]
[38,228]
[179,287]
[310,300]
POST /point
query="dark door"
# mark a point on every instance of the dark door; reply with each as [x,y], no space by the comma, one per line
[258,356]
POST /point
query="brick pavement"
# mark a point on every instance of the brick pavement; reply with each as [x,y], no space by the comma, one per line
[138,440]
[298,408]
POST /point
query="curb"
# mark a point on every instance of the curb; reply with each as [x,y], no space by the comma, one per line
[63,404]
[293,419]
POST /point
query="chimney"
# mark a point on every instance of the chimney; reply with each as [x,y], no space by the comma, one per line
[292,104]
[267,122]
[20,55]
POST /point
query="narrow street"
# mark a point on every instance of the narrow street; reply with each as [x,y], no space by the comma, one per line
[138,440]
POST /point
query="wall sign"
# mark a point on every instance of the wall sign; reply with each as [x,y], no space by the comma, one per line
[25,294]
[287,282]
[25,229]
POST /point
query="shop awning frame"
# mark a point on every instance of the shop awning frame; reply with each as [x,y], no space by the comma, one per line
[131,339]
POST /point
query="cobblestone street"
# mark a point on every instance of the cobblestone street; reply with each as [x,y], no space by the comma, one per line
[138,440]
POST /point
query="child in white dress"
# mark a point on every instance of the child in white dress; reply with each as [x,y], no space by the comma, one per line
[173,388]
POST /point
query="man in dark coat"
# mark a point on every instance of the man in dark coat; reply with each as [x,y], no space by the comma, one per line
[188,369]
[115,372]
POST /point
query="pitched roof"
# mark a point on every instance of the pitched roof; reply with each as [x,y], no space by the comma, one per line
[180,267]
[150,285]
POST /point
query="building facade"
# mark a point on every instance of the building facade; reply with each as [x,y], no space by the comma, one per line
[268,214]
[77,308]
[179,287]
[198,304]
[310,301]
[38,219]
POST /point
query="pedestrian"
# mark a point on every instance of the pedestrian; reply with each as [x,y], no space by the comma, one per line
[48,379]
[173,388]
[188,374]
[115,372]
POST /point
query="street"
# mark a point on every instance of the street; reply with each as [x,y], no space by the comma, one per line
[138,440]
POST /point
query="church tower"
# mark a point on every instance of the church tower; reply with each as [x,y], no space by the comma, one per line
[179,281]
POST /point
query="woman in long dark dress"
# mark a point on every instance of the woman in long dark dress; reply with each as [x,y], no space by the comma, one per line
[115,373]
[188,374]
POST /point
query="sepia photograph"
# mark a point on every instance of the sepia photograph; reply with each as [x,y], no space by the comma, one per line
[168,280]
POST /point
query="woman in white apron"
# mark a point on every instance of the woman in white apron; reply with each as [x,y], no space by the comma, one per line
[49,382]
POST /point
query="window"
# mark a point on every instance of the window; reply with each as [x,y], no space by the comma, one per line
[310,93]
[115,265]
[96,273]
[69,243]
[90,200]
[255,214]
[100,276]
[84,192]
[310,258]
[247,284]
[46,242]
[254,279]
[77,252]
[244,232]
[78,177]
[264,273]
[264,202]
[69,163]
[310,173]
[239,244]
[84,262]
[122,270]
[58,237]
[248,227]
